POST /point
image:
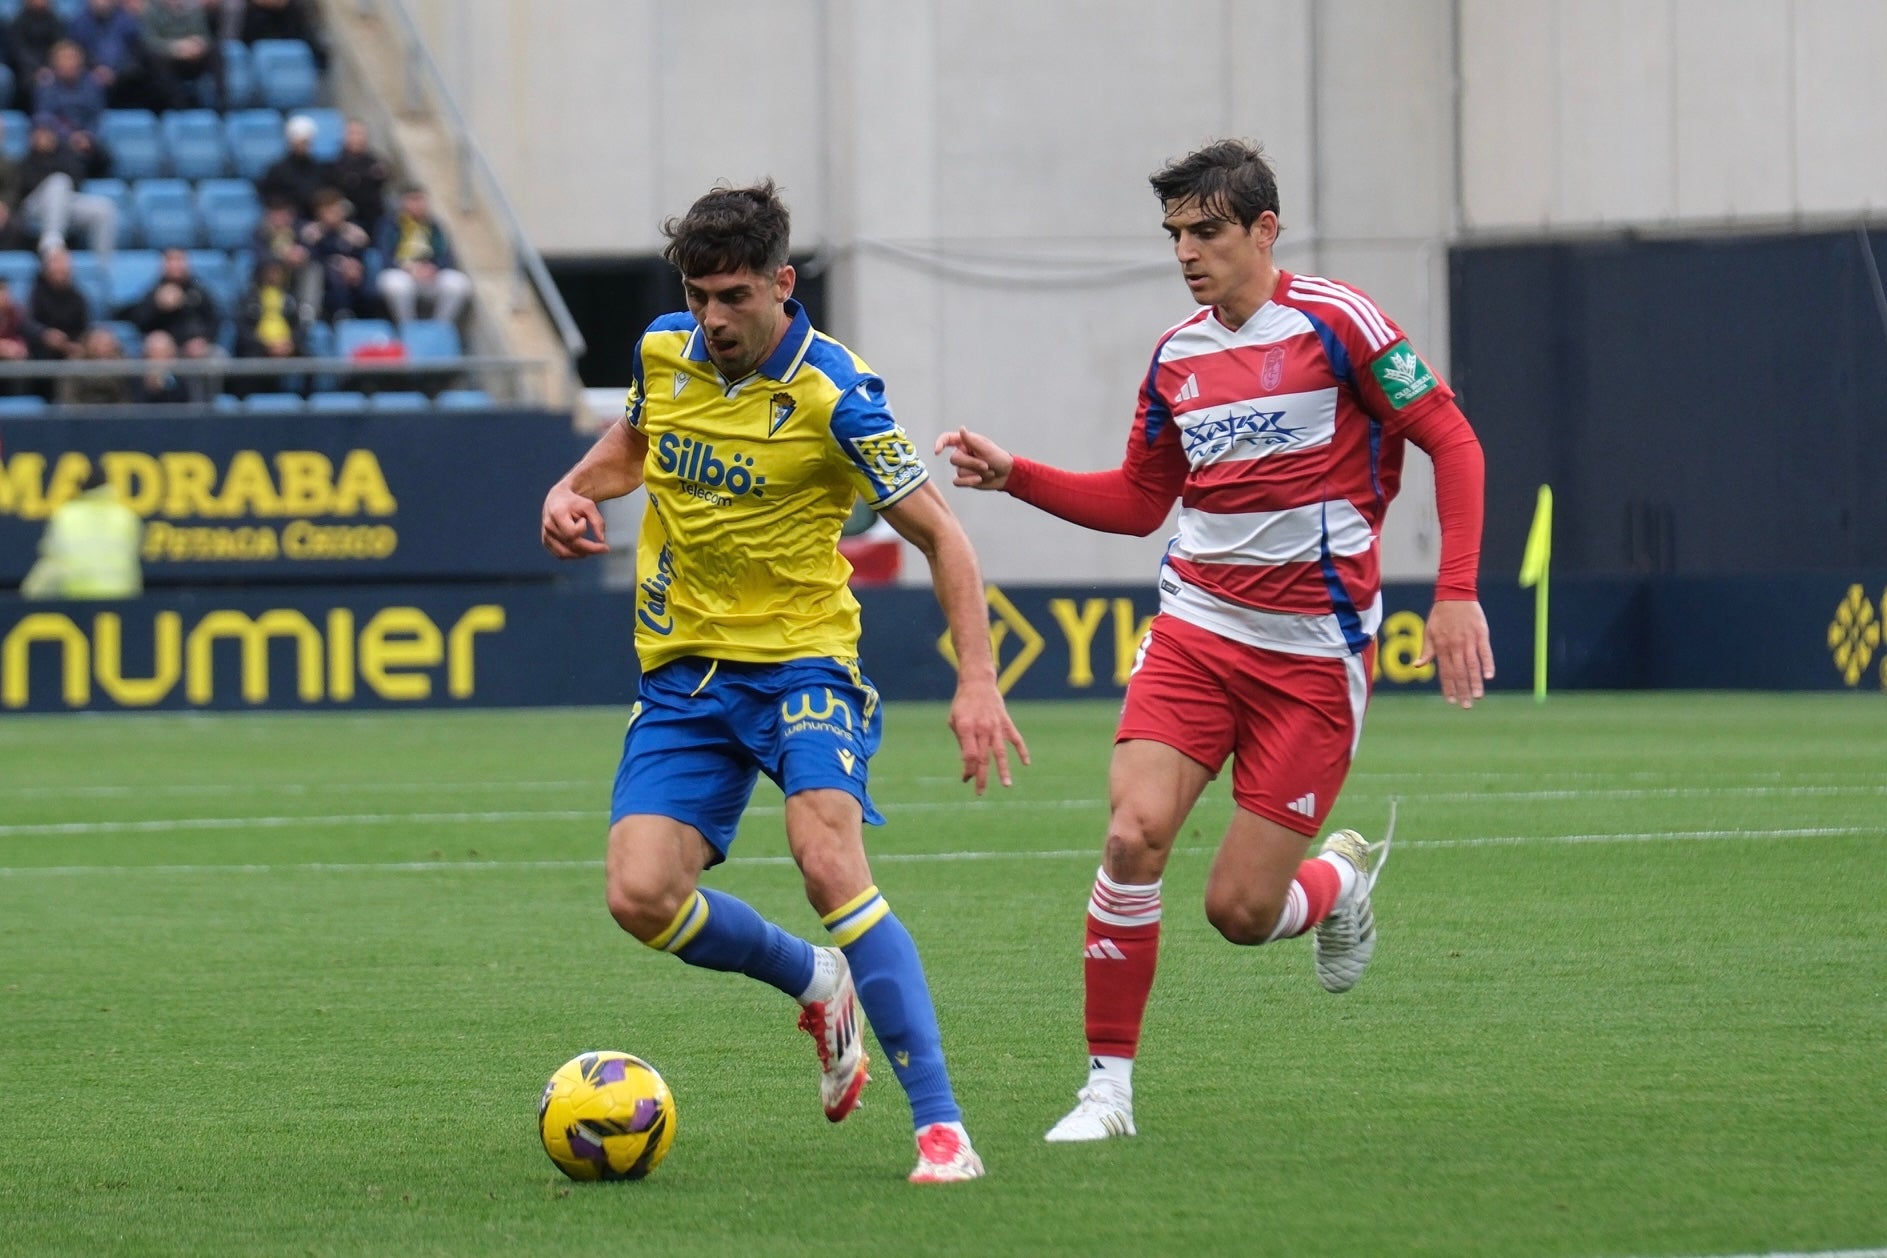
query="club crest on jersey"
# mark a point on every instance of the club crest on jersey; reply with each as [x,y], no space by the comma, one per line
[1273,369]
[783,405]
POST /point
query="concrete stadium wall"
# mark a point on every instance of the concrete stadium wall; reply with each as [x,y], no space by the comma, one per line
[973,171]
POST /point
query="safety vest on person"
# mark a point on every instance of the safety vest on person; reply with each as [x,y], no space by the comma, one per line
[90,550]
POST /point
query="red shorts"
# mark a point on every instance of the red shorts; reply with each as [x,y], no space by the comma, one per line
[1290,723]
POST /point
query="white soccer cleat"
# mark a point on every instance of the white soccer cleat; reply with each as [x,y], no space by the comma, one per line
[1345,940]
[944,1155]
[838,1033]
[1102,1112]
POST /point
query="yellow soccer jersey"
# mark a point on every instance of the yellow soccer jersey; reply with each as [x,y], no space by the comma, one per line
[749,484]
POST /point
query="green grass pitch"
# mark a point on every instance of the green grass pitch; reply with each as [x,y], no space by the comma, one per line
[283,984]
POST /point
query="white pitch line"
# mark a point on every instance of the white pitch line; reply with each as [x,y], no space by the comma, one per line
[918,858]
[1806,1253]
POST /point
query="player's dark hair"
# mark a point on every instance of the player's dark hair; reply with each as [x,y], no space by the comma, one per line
[1227,178]
[731,229]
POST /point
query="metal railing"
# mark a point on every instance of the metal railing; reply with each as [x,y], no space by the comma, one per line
[423,76]
[508,375]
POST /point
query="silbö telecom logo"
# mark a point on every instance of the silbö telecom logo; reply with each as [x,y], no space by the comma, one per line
[703,474]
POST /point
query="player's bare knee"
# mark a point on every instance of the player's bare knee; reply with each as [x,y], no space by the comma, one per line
[1136,851]
[1239,919]
[644,911]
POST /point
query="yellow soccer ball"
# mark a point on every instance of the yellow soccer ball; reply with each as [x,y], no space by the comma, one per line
[606,1116]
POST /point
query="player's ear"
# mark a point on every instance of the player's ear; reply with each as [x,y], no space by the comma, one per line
[783,281]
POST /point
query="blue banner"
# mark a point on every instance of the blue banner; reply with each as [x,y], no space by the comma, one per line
[304,497]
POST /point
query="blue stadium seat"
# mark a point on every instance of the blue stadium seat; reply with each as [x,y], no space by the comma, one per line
[194,138]
[136,144]
[330,130]
[273,403]
[130,340]
[226,403]
[67,9]
[213,270]
[255,140]
[25,404]
[352,334]
[463,400]
[399,400]
[285,72]
[20,268]
[166,211]
[239,76]
[230,210]
[17,133]
[338,400]
[132,273]
[429,340]
[88,275]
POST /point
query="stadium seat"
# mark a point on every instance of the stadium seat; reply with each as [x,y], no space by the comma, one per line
[338,400]
[194,139]
[135,143]
[255,140]
[230,210]
[273,403]
[20,268]
[67,9]
[285,72]
[25,404]
[352,335]
[131,274]
[218,277]
[130,340]
[88,275]
[429,340]
[239,76]
[226,403]
[166,211]
[463,400]
[18,132]
[400,400]
[330,129]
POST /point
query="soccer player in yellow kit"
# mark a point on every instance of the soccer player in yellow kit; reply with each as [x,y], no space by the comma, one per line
[753,433]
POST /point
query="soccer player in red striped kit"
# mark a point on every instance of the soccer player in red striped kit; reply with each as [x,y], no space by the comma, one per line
[1276,415]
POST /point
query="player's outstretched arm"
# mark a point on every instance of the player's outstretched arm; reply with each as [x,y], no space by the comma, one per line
[572,526]
[978,716]
[978,462]
[1456,640]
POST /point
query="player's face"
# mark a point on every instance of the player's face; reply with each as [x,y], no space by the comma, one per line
[742,315]
[1220,260]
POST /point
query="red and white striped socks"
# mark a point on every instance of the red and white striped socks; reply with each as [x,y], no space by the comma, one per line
[1123,945]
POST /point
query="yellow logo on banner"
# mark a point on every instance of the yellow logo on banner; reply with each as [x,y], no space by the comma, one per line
[1853,636]
[1007,618]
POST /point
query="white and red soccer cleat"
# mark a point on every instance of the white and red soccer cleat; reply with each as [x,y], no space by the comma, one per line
[1104,1112]
[838,1033]
[944,1155]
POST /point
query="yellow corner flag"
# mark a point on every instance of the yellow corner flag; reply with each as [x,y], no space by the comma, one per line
[1534,568]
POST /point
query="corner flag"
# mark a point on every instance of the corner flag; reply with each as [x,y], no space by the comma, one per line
[1535,566]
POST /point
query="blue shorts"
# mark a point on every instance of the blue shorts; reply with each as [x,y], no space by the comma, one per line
[703,730]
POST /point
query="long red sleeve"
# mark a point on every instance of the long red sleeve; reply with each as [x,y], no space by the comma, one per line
[1460,486]
[1113,501]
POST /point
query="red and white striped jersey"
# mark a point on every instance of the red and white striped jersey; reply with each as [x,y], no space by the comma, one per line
[1282,440]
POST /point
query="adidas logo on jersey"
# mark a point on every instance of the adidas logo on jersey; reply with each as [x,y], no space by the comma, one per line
[1106,950]
[1304,805]
[1188,391]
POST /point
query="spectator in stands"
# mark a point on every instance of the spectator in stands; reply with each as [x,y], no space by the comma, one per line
[179,305]
[14,233]
[58,307]
[113,45]
[50,201]
[159,385]
[97,345]
[278,236]
[338,247]
[180,52]
[419,262]
[35,30]
[269,323]
[361,175]
[281,19]
[70,96]
[16,332]
[297,176]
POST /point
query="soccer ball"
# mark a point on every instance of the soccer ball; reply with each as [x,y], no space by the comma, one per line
[606,1116]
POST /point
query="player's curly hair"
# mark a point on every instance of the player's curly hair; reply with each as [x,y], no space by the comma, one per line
[731,229]
[1229,178]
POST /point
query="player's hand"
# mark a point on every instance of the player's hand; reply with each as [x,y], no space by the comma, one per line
[569,521]
[1456,641]
[978,462]
[983,729]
